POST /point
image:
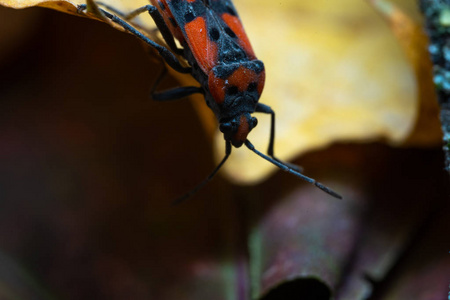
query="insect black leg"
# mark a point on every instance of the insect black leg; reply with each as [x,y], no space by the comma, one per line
[172,94]
[283,166]
[157,18]
[262,108]
[165,53]
[165,31]
[110,8]
[207,179]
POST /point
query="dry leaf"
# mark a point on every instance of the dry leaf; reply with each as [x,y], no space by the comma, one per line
[334,73]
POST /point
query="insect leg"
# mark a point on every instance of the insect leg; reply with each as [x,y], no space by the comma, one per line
[126,16]
[157,18]
[262,108]
[172,94]
[207,179]
[108,7]
[165,53]
[287,168]
[162,26]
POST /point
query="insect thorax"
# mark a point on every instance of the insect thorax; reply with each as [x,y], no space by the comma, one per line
[236,88]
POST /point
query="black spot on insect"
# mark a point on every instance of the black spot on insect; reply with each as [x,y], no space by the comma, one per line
[230,52]
[231,11]
[230,32]
[232,90]
[161,5]
[173,22]
[252,87]
[224,71]
[214,34]
[189,17]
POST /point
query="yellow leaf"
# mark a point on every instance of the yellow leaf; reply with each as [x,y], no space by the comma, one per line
[334,73]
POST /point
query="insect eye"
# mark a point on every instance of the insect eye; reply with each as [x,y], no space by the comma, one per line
[225,127]
[254,122]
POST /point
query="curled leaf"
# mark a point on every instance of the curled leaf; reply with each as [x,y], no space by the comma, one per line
[63,6]
[303,237]
[334,73]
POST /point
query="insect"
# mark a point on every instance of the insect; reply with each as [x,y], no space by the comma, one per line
[222,60]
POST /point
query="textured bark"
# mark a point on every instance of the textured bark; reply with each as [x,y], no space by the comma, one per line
[437,15]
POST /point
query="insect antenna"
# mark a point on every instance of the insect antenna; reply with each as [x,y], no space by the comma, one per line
[290,170]
[207,179]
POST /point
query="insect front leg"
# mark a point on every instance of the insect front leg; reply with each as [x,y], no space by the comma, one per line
[160,23]
[262,108]
[172,94]
[157,18]
[165,53]
[162,26]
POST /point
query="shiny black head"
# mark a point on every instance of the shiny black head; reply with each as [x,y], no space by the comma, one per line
[237,129]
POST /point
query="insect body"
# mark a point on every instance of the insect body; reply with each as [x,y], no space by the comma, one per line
[222,60]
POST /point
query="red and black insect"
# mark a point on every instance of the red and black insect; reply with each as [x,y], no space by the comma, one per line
[222,60]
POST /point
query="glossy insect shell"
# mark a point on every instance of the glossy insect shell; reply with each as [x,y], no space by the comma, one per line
[222,59]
